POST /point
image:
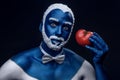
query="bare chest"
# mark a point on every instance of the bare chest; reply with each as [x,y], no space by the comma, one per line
[52,71]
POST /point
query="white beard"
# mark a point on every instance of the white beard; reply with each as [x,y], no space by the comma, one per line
[55,46]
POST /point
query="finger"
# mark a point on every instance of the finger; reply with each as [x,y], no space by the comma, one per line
[96,34]
[98,38]
[105,49]
[105,46]
[101,46]
[95,43]
[94,50]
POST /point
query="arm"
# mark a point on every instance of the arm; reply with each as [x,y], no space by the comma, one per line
[99,48]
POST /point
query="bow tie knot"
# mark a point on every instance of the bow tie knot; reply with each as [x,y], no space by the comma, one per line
[47,58]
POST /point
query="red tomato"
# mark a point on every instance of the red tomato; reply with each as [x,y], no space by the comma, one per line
[82,37]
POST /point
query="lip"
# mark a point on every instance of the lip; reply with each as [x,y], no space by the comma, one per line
[56,42]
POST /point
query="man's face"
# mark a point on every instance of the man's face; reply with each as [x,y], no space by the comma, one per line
[58,26]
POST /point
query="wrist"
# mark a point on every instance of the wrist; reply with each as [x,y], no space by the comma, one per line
[97,60]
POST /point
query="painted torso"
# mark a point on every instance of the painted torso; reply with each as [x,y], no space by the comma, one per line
[30,62]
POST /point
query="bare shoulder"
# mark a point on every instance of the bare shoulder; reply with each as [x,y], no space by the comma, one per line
[24,59]
[86,72]
[14,68]
[87,66]
[9,70]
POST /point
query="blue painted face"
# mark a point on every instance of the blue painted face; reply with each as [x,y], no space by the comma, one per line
[57,28]
[58,23]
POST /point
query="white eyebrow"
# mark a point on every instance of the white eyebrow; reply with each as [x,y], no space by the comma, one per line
[54,19]
[69,23]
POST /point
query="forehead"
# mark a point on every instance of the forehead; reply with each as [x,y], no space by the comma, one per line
[60,15]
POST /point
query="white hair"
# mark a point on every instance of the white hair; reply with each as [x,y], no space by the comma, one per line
[63,8]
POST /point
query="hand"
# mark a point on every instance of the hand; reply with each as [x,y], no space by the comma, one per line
[99,47]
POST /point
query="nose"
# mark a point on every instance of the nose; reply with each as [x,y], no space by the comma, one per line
[59,31]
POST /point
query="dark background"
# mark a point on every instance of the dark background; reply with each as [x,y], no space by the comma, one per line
[20,19]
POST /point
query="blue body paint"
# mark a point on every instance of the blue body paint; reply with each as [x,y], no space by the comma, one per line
[59,24]
[58,27]
[30,62]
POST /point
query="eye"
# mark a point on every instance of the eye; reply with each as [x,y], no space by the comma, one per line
[65,28]
[53,24]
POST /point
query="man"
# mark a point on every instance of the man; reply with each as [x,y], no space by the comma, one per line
[50,61]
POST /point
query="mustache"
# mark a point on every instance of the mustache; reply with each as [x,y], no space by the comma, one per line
[57,38]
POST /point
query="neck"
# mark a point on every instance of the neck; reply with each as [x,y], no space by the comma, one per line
[50,51]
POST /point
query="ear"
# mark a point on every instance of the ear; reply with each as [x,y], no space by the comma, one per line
[40,27]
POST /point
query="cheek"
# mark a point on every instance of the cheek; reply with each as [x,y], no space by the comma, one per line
[49,31]
[66,35]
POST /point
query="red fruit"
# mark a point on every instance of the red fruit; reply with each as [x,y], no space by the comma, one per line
[82,37]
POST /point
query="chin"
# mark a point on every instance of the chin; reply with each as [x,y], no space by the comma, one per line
[54,47]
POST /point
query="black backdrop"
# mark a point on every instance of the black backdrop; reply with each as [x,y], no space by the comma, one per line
[20,19]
